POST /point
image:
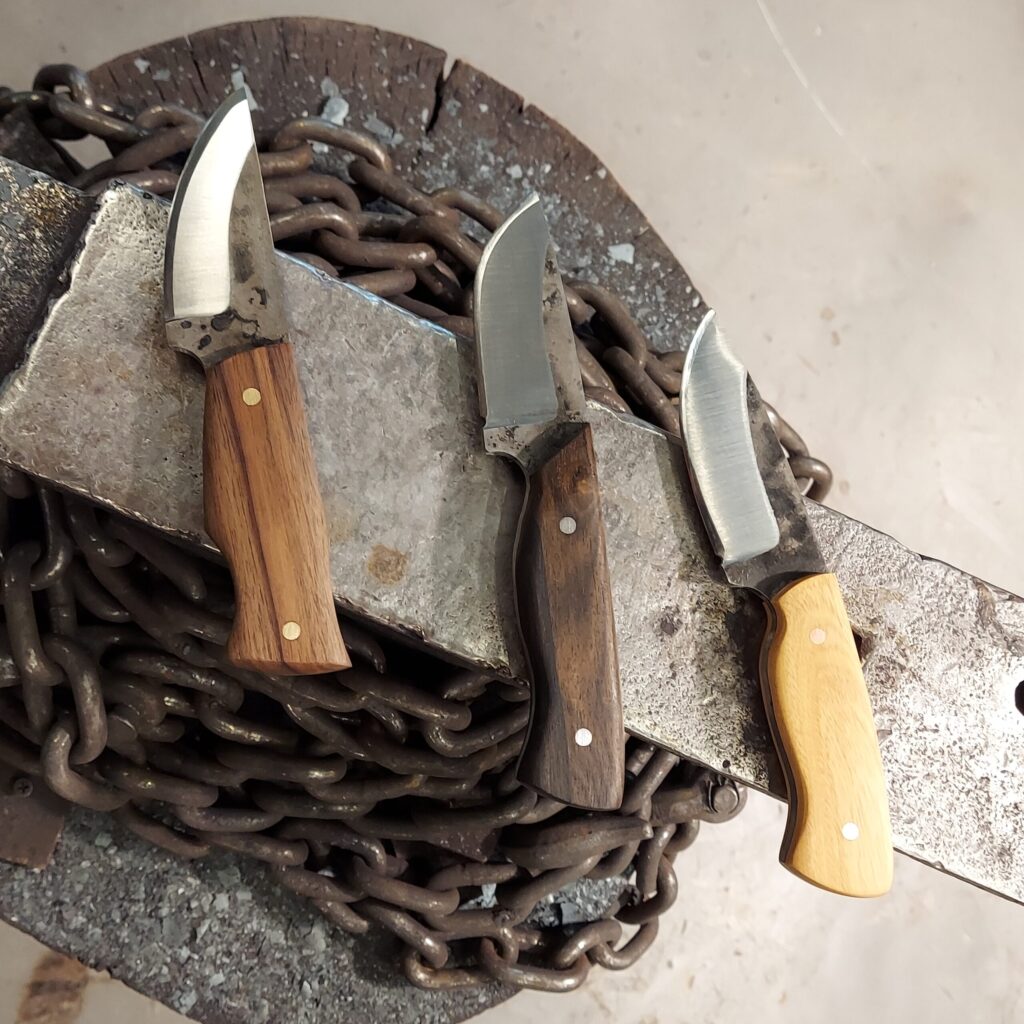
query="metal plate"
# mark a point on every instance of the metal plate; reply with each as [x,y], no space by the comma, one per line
[422,527]
[31,818]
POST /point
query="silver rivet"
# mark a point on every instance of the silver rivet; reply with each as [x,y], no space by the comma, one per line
[251,396]
[291,631]
[567,525]
[851,831]
[584,737]
[818,636]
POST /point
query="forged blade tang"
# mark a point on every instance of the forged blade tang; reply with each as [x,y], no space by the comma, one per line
[223,305]
[534,409]
[837,833]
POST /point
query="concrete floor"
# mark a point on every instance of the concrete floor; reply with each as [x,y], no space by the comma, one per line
[843,185]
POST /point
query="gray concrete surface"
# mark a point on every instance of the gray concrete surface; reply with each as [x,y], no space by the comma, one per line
[857,228]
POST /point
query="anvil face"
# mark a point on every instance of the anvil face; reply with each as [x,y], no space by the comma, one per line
[943,651]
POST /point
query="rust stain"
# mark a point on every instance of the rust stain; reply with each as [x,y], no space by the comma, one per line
[341,521]
[54,992]
[151,288]
[387,564]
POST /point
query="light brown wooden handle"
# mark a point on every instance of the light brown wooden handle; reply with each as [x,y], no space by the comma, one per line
[837,834]
[574,749]
[263,508]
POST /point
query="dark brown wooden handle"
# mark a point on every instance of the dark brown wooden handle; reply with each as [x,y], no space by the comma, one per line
[263,508]
[837,835]
[574,745]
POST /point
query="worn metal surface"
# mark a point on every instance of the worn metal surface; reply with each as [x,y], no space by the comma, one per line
[22,140]
[40,221]
[422,529]
[456,129]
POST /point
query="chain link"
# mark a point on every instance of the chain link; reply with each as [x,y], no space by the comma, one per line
[384,800]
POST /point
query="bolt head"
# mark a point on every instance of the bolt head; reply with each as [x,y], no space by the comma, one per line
[21,786]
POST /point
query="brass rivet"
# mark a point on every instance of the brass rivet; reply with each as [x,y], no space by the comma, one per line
[818,636]
[252,396]
[291,630]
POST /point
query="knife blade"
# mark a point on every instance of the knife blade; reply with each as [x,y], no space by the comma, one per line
[534,409]
[223,305]
[837,832]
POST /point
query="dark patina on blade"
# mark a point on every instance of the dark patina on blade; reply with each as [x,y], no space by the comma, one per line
[797,553]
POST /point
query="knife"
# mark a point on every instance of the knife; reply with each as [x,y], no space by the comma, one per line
[837,831]
[223,304]
[535,412]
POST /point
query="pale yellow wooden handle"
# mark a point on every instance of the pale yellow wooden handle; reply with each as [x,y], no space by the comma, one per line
[837,835]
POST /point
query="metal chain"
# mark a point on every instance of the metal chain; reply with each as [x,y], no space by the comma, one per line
[386,800]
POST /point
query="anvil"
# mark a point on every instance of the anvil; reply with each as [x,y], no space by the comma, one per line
[421,525]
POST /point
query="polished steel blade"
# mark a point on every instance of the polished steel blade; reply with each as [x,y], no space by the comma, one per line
[222,288]
[752,508]
[516,385]
[720,449]
[529,375]
[197,266]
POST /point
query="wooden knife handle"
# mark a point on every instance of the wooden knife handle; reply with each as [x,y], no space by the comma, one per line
[263,508]
[575,740]
[837,834]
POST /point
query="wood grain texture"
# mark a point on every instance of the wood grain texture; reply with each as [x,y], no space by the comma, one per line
[263,508]
[564,600]
[837,835]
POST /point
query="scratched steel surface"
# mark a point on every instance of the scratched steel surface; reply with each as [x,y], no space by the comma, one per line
[422,525]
